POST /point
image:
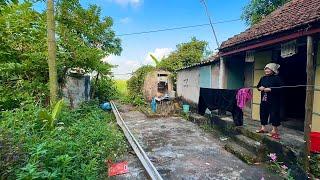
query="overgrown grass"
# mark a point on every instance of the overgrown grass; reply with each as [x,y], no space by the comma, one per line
[122,86]
[75,149]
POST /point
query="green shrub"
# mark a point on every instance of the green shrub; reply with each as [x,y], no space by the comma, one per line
[105,89]
[76,148]
[315,165]
[14,94]
[135,84]
[122,87]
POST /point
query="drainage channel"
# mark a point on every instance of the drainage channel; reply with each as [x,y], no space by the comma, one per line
[145,161]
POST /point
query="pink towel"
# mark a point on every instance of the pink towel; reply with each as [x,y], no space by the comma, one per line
[244,95]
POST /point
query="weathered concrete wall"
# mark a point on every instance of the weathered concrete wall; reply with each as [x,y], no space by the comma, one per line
[215,71]
[223,75]
[188,84]
[205,76]
[316,101]
[76,90]
[248,82]
[150,86]
[260,60]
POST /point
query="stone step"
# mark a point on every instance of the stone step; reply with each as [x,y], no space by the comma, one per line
[198,119]
[291,155]
[287,154]
[248,143]
[242,153]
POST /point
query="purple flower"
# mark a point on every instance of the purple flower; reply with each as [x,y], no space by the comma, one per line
[284,167]
[273,157]
[262,178]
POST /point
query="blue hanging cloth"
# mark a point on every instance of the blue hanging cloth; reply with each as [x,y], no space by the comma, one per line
[153,105]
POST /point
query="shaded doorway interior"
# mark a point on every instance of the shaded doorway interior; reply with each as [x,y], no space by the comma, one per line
[293,73]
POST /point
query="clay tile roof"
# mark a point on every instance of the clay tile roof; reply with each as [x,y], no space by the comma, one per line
[291,15]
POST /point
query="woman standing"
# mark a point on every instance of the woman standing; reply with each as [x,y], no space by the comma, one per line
[269,85]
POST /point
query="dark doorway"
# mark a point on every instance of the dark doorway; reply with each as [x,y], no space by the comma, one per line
[293,73]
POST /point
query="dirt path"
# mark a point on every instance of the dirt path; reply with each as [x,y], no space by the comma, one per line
[181,150]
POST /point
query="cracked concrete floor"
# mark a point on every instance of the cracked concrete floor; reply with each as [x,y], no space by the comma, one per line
[180,149]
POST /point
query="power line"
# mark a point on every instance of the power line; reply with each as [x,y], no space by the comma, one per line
[211,24]
[177,28]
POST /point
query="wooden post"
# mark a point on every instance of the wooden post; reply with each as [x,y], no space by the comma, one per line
[53,79]
[310,69]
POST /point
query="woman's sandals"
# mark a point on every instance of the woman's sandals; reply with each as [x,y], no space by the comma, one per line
[275,136]
[261,131]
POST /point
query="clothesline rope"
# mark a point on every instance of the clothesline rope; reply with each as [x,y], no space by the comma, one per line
[294,86]
[278,87]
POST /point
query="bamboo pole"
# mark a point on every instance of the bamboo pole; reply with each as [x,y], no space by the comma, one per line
[310,69]
[53,83]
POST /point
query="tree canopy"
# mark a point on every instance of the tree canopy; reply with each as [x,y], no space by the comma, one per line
[186,54]
[84,37]
[257,9]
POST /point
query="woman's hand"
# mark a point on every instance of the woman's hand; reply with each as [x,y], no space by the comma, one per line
[267,89]
[261,88]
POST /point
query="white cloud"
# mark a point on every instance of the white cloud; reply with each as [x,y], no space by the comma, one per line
[125,66]
[159,53]
[125,20]
[133,3]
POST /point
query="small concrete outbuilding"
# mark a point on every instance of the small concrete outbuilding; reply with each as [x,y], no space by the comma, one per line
[158,83]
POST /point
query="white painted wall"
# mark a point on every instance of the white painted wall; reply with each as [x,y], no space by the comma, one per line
[188,84]
[215,75]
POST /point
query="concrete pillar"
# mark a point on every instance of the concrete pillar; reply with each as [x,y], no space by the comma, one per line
[222,73]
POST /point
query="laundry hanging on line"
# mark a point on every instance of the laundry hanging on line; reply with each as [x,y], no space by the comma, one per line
[244,96]
[222,99]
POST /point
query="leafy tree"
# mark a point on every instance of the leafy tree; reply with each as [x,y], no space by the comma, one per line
[6,2]
[23,62]
[257,9]
[186,54]
[83,39]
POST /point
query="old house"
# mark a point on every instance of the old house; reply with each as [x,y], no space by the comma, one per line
[157,83]
[204,74]
[290,37]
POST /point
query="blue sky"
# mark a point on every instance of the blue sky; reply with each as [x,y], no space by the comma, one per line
[143,15]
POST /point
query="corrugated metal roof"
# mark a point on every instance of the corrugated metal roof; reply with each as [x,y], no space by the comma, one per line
[210,60]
